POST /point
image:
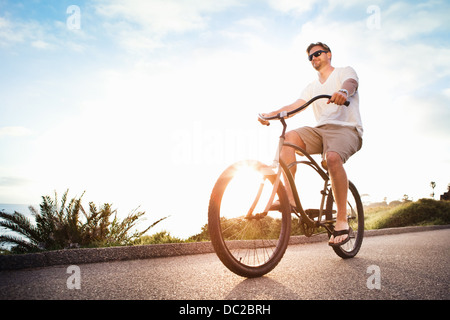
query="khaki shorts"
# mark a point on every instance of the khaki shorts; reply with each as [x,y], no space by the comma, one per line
[330,137]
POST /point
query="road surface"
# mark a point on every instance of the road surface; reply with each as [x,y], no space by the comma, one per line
[400,266]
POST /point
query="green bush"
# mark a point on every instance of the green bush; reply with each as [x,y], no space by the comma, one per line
[421,212]
[159,237]
[69,226]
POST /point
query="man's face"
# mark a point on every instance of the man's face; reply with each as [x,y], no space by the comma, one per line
[320,61]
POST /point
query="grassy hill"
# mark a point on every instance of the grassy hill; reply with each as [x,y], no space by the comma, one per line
[419,213]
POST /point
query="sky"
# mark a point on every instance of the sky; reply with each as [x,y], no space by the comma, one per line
[143,103]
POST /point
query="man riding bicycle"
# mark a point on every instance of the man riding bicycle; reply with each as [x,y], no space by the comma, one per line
[338,133]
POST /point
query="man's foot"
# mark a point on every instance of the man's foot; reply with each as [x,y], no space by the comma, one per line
[340,235]
[335,242]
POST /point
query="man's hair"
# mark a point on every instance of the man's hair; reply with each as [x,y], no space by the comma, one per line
[323,45]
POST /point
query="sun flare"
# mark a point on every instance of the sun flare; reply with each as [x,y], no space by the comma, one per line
[242,191]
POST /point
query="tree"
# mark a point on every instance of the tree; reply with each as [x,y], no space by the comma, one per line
[68,225]
[433,185]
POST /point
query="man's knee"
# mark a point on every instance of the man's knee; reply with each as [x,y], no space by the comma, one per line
[294,138]
[334,160]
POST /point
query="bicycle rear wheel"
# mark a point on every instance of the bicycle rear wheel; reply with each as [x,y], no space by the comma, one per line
[250,245]
[355,218]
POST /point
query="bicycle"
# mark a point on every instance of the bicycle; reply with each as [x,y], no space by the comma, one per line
[247,236]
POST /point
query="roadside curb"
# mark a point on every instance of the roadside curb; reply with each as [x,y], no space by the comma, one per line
[95,255]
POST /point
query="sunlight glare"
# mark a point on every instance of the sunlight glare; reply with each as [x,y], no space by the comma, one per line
[242,191]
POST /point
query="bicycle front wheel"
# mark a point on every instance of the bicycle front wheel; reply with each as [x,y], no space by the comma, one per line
[247,241]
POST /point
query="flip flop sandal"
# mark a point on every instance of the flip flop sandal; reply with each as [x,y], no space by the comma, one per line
[340,233]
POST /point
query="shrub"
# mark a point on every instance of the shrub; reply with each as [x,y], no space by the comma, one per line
[157,238]
[68,226]
[421,212]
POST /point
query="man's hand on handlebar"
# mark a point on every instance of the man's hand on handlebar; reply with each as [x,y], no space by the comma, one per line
[338,98]
[288,108]
[265,122]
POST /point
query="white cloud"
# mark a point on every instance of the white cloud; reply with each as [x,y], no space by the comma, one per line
[8,34]
[13,181]
[16,31]
[39,44]
[292,6]
[163,16]
[446,92]
[252,23]
[41,35]
[140,26]
[406,20]
[14,132]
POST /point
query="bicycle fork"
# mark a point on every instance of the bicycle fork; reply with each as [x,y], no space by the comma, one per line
[269,172]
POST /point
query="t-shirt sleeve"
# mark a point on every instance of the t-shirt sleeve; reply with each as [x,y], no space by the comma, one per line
[348,73]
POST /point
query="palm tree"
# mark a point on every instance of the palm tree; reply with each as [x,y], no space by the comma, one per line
[433,185]
[18,223]
[59,227]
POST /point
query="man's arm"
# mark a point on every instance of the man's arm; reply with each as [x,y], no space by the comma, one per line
[351,85]
[339,98]
[287,108]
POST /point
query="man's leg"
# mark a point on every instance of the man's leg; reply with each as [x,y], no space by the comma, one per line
[339,183]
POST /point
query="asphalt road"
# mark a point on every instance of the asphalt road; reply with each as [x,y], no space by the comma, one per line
[400,266]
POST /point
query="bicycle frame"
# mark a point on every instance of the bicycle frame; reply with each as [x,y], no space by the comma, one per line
[283,167]
[301,213]
[277,163]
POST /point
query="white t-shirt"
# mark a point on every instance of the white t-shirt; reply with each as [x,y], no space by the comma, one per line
[332,113]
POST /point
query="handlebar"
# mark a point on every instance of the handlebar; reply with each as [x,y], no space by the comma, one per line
[285,114]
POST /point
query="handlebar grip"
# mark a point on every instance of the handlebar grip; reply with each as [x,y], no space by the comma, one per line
[263,118]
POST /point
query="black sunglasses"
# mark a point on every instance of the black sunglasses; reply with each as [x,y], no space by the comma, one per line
[316,54]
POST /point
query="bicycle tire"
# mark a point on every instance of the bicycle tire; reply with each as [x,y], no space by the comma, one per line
[233,251]
[356,222]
